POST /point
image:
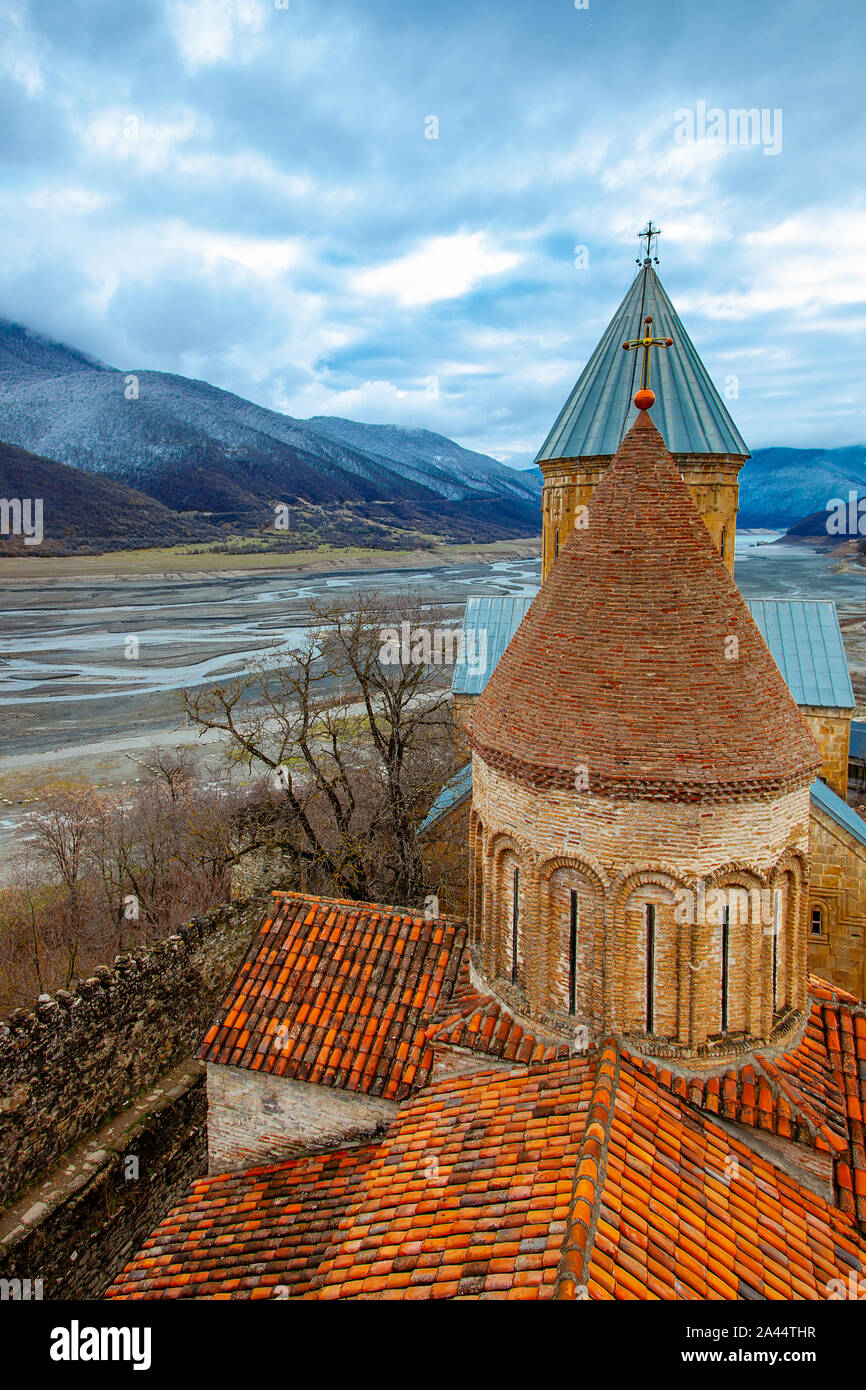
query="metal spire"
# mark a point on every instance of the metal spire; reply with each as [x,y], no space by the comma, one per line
[649,234]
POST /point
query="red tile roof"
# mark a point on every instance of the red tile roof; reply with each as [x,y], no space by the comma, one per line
[632,633]
[680,1209]
[812,1094]
[577,1178]
[478,1023]
[338,993]
[260,1234]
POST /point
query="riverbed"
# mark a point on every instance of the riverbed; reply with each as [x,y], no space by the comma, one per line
[91,670]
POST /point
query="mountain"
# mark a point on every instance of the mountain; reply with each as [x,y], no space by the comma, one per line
[195,447]
[779,487]
[83,513]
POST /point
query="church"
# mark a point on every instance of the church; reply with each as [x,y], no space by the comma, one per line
[628,1058]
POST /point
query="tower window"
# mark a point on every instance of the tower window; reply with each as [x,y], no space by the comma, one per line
[777,927]
[515,915]
[817,925]
[724,540]
[572,956]
[726,930]
[650,965]
[556,544]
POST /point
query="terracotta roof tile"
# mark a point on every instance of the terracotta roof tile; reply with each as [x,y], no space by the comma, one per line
[479,1023]
[578,1177]
[811,1095]
[706,1218]
[260,1234]
[337,993]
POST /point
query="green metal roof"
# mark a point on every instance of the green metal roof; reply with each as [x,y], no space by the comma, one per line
[451,795]
[839,810]
[488,626]
[689,412]
[805,641]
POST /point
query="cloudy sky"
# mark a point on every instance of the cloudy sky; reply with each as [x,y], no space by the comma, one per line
[376,208]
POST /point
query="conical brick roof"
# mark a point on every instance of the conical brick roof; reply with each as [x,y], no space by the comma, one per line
[638,670]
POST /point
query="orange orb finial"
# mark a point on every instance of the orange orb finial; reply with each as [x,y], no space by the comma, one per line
[644,399]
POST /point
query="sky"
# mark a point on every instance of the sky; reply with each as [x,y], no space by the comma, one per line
[424,212]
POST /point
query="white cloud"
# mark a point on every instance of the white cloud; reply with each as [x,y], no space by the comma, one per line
[67,202]
[18,60]
[804,265]
[211,31]
[443,267]
[151,143]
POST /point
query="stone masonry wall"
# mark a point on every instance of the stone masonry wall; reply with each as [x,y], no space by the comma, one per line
[85,1237]
[831,730]
[74,1060]
[629,855]
[836,887]
[255,1119]
[570,482]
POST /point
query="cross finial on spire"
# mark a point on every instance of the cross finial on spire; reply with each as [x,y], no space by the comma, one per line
[649,234]
[644,398]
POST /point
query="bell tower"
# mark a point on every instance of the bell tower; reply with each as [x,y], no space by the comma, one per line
[703,440]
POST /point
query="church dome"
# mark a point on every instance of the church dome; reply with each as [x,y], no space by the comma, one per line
[638,671]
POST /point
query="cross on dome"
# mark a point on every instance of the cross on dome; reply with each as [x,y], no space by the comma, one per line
[649,234]
[644,398]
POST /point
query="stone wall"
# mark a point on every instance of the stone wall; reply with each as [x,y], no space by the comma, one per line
[831,730]
[74,1060]
[445,852]
[259,871]
[255,1119]
[87,1227]
[461,706]
[836,888]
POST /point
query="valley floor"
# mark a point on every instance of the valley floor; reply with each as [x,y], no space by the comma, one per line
[180,560]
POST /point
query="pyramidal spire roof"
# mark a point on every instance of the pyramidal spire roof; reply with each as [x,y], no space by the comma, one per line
[638,669]
[600,409]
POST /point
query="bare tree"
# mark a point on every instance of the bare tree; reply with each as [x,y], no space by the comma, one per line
[353,731]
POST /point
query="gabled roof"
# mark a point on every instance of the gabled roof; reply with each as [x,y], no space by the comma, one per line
[337,993]
[805,640]
[248,1235]
[601,1175]
[857,745]
[489,624]
[599,412]
[838,810]
[639,662]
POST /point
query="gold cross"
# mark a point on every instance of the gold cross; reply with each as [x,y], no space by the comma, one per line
[647,342]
